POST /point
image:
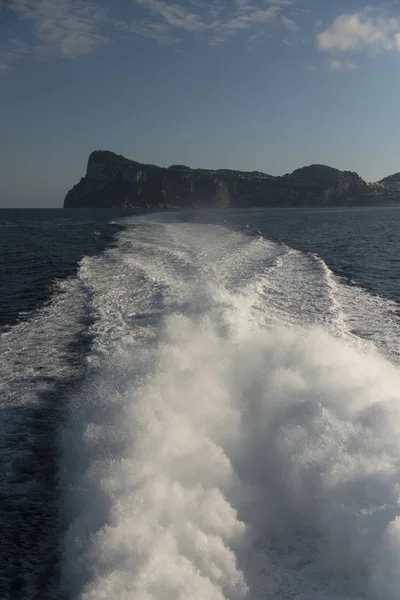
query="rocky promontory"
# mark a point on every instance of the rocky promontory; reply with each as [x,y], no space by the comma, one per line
[112,180]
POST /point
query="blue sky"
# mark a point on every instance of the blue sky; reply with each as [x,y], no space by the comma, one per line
[266,85]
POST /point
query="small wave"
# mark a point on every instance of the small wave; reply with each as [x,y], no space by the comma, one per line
[40,355]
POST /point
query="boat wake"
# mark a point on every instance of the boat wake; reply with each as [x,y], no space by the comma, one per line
[236,436]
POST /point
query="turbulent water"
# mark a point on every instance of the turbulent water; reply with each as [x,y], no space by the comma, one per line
[202,414]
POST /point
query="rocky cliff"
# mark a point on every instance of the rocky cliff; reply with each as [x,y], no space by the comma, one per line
[392,182]
[114,181]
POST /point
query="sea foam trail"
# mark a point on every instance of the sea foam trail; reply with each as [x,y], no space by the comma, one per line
[224,447]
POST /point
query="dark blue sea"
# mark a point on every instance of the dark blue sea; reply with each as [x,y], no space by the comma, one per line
[200,405]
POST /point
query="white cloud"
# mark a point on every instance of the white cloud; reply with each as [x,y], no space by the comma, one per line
[335,64]
[360,31]
[289,24]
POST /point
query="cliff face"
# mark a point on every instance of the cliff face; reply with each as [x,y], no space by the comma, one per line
[392,182]
[114,181]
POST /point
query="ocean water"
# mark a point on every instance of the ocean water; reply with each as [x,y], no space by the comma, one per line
[191,410]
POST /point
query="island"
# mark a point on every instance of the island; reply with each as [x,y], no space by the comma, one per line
[113,181]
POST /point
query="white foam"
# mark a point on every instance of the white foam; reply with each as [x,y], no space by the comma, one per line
[34,351]
[36,359]
[231,442]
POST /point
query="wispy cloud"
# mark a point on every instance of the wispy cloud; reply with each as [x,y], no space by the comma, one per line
[72,28]
[289,24]
[14,50]
[174,15]
[211,23]
[280,2]
[65,27]
[257,38]
[158,32]
[361,31]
